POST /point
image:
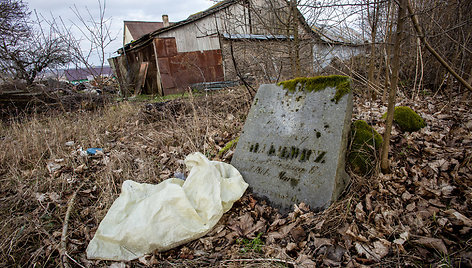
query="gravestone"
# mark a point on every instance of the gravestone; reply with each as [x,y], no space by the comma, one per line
[293,145]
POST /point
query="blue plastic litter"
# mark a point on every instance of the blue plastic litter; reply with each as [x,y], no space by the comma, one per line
[93,151]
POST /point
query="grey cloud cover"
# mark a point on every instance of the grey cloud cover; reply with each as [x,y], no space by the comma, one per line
[119,10]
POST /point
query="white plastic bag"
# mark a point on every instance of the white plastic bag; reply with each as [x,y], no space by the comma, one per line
[148,217]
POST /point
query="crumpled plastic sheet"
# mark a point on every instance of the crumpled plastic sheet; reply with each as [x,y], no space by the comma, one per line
[147,217]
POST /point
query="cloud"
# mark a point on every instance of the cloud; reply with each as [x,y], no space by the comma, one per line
[117,11]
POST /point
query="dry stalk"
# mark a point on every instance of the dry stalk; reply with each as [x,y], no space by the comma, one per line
[261,260]
[65,226]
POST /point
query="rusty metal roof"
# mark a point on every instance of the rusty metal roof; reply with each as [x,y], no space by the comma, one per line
[140,28]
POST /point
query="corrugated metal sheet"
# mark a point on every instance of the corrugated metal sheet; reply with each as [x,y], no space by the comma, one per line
[180,70]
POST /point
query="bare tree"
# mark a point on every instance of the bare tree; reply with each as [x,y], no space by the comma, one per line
[96,30]
[27,47]
[12,18]
[94,39]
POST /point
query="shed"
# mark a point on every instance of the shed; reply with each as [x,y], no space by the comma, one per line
[261,38]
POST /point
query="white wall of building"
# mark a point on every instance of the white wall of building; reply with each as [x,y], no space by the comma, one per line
[323,54]
[127,36]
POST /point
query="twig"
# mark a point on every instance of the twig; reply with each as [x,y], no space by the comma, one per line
[76,262]
[65,226]
[261,260]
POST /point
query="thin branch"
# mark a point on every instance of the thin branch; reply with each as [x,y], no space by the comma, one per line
[419,31]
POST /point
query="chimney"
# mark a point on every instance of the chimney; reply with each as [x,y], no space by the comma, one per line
[165,19]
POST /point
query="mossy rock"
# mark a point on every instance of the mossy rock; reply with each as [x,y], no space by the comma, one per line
[365,146]
[340,82]
[406,119]
[228,146]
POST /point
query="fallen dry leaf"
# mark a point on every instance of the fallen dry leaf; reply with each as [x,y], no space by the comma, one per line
[365,250]
[298,234]
[282,233]
[458,216]
[319,242]
[305,261]
[353,232]
[291,246]
[117,265]
[245,226]
[381,247]
[360,214]
[434,243]
[53,166]
[319,225]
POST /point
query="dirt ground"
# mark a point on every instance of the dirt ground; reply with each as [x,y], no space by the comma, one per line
[419,215]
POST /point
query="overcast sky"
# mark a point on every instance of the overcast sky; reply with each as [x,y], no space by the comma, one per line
[120,10]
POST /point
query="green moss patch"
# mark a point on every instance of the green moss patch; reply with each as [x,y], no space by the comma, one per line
[407,119]
[228,146]
[365,146]
[341,83]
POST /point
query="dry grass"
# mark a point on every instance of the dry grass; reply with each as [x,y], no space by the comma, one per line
[147,142]
[143,143]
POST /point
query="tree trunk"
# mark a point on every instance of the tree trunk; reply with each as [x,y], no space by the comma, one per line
[384,162]
[296,71]
[373,35]
[387,50]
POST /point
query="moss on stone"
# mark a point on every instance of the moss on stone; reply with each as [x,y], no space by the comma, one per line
[365,146]
[341,83]
[228,146]
[407,119]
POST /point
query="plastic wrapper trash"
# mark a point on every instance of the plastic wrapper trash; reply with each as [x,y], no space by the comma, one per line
[147,217]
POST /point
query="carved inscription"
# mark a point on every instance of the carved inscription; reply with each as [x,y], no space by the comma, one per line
[289,152]
[267,192]
[293,181]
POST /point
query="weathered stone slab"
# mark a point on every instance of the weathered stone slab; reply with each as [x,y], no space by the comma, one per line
[293,146]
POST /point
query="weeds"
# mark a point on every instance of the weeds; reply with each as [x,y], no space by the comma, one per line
[251,245]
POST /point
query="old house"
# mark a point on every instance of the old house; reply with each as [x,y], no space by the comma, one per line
[266,39]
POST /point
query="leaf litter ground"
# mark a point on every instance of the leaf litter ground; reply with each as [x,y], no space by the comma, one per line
[419,215]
